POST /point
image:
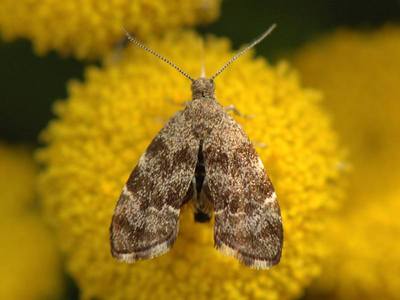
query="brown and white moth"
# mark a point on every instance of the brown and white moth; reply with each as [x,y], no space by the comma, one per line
[204,155]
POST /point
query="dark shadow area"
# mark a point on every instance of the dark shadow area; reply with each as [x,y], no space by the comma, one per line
[29,84]
[298,21]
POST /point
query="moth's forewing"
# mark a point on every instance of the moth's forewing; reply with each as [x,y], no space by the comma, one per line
[248,222]
[146,219]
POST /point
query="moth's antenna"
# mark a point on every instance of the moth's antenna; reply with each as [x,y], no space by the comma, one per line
[164,59]
[244,50]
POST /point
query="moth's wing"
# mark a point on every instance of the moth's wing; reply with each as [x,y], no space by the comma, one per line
[248,222]
[146,218]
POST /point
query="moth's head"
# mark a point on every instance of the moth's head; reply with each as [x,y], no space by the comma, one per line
[203,88]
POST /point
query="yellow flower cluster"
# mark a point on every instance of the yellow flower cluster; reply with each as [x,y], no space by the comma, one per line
[29,262]
[105,126]
[358,72]
[90,28]
[365,262]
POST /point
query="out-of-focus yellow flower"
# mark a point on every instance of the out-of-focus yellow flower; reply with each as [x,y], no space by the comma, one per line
[358,72]
[29,262]
[17,179]
[105,126]
[89,28]
[365,262]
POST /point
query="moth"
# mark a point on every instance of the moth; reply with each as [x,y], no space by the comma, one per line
[202,154]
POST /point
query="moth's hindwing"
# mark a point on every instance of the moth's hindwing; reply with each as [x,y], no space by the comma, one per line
[248,222]
[146,218]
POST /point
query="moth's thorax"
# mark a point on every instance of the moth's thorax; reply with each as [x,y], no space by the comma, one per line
[203,114]
[203,88]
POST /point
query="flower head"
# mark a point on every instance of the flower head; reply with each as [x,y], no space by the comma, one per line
[365,265]
[358,72]
[104,127]
[29,260]
[90,28]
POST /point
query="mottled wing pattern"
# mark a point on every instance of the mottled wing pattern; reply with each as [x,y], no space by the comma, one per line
[146,218]
[248,222]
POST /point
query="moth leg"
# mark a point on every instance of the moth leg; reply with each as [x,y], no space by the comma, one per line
[232,108]
[202,206]
[118,48]
[260,145]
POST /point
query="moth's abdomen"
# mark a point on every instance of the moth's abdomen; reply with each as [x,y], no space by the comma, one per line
[202,217]
[202,205]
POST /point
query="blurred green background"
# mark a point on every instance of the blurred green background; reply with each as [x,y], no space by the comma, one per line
[27,79]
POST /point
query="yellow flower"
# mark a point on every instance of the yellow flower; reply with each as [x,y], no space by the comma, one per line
[29,262]
[105,126]
[365,261]
[358,72]
[90,28]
